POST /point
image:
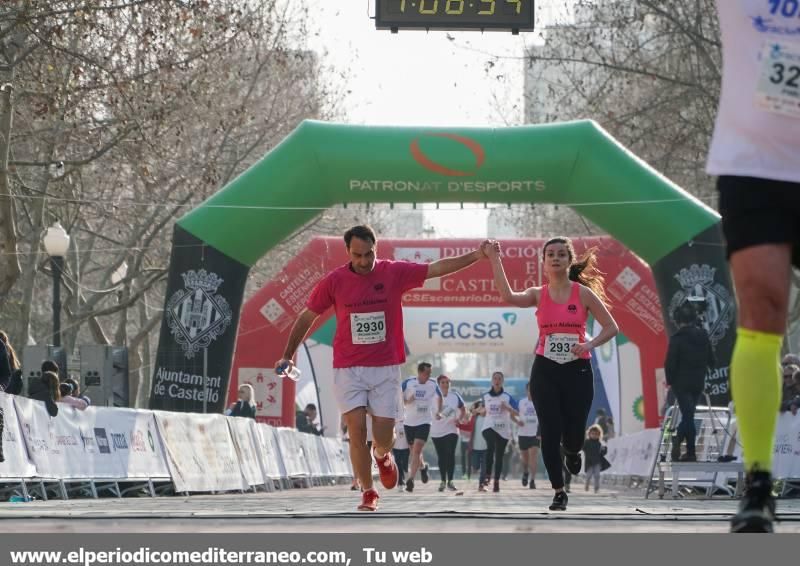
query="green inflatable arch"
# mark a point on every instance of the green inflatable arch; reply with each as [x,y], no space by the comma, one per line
[321,164]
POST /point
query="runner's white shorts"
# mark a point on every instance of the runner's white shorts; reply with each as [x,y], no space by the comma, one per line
[377,388]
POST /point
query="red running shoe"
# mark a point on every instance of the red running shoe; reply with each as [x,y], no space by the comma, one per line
[369,501]
[387,469]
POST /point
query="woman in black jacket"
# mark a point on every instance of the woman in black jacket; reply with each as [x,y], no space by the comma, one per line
[689,357]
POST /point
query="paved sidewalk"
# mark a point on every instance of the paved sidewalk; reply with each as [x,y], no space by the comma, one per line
[332,509]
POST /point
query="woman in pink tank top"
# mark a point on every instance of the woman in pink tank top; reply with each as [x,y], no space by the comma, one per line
[562,384]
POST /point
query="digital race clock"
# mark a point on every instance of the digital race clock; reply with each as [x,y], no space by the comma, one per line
[514,15]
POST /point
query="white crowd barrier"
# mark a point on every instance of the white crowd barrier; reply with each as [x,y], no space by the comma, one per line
[243,432]
[270,453]
[17,464]
[633,454]
[193,452]
[102,443]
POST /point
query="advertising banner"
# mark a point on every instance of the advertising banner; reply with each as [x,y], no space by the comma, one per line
[96,443]
[17,464]
[200,452]
[198,332]
[244,439]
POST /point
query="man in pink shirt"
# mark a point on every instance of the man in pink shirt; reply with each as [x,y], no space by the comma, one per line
[368,347]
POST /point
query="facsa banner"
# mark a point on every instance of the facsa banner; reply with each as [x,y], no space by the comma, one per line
[17,464]
[95,443]
[200,452]
[479,329]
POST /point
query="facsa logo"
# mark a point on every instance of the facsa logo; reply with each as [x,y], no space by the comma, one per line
[429,164]
[465,330]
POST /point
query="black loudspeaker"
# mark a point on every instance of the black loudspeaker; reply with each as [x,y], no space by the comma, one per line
[32,358]
[104,375]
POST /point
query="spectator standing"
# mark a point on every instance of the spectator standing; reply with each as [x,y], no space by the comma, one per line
[244,406]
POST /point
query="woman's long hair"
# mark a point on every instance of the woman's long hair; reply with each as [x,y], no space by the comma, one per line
[583,270]
[12,355]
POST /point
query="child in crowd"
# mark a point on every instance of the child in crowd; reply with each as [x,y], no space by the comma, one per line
[593,452]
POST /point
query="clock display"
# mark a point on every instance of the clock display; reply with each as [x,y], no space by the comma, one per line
[514,15]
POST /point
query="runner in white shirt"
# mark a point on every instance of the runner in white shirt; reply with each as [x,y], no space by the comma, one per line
[756,153]
[449,410]
[499,408]
[529,439]
[400,449]
[419,396]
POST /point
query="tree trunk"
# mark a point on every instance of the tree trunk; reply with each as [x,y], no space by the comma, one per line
[9,260]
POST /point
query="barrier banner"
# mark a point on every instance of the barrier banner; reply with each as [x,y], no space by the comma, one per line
[17,464]
[633,454]
[310,453]
[244,439]
[327,467]
[337,458]
[133,438]
[66,447]
[291,452]
[270,454]
[200,452]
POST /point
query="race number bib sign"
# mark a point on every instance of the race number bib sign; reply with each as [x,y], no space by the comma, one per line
[423,406]
[779,81]
[368,327]
[559,347]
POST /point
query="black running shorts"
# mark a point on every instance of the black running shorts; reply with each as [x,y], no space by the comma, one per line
[759,211]
[419,432]
[526,442]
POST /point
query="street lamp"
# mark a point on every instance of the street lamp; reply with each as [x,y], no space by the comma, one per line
[56,243]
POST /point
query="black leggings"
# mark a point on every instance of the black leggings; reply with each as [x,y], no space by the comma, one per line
[401,459]
[446,452]
[562,395]
[495,447]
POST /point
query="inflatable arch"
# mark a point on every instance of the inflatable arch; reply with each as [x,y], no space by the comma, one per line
[575,164]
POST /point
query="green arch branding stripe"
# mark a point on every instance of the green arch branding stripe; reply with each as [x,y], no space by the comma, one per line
[321,164]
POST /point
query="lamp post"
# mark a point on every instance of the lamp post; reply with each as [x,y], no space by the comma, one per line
[56,243]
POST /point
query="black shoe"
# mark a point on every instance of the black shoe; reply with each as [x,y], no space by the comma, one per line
[572,463]
[559,501]
[757,507]
[675,453]
[688,458]
[525,479]
[496,488]
[410,485]
[423,474]
[532,485]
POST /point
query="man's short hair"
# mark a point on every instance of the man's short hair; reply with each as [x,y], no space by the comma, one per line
[362,232]
[685,314]
[311,407]
[423,366]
